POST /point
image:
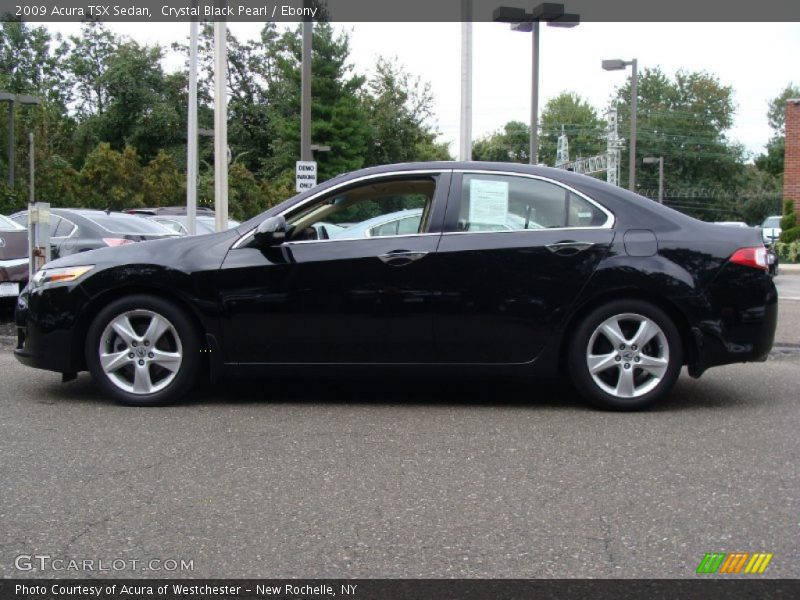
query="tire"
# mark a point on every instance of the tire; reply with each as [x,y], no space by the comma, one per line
[632,377]
[143,351]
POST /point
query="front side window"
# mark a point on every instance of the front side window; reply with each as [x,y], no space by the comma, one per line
[511,203]
[379,208]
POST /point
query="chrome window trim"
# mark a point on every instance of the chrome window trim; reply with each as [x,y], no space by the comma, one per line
[313,197]
[357,239]
[610,217]
[609,224]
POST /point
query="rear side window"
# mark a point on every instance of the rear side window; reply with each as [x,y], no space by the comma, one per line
[121,224]
[7,224]
[511,203]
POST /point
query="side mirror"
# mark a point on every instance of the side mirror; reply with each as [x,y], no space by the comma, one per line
[271,232]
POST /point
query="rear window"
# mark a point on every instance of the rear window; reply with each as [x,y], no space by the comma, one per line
[7,224]
[122,224]
[772,222]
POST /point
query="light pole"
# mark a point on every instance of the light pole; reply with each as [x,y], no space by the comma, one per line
[12,99]
[521,20]
[191,134]
[305,88]
[651,160]
[618,65]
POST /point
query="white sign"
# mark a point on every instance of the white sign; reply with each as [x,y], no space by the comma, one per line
[305,175]
[488,202]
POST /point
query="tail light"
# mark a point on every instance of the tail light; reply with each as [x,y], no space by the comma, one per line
[751,257]
[117,241]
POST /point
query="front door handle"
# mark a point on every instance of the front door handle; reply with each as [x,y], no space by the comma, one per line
[569,248]
[400,258]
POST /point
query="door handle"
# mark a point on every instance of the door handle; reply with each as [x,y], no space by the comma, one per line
[570,247]
[400,258]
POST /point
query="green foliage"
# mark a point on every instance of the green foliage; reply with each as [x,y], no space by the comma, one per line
[162,183]
[772,161]
[111,179]
[788,252]
[510,144]
[683,119]
[573,115]
[790,232]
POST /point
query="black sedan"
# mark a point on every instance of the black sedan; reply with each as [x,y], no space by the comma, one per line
[589,280]
[74,230]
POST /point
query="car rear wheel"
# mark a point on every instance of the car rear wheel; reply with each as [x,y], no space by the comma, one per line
[143,351]
[625,355]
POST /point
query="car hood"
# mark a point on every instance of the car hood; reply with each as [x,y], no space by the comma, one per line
[184,253]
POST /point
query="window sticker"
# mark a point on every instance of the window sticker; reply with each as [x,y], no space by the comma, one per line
[488,202]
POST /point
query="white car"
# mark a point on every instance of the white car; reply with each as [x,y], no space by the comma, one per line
[771,229]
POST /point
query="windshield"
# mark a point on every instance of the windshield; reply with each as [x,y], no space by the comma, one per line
[131,224]
[7,224]
[771,222]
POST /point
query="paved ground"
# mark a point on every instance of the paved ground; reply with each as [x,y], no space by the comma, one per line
[361,479]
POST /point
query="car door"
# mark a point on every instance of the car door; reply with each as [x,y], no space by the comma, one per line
[339,300]
[514,256]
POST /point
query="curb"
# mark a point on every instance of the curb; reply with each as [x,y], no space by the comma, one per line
[794,269]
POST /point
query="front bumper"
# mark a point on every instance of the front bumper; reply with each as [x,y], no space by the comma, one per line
[47,333]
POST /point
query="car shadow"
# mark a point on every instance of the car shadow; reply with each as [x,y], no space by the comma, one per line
[551,394]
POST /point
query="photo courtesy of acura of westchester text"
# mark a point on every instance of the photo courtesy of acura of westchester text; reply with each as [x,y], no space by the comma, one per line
[479,299]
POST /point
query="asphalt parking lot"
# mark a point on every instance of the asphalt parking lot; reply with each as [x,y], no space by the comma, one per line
[406,479]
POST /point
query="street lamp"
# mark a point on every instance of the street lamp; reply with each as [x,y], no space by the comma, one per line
[13,99]
[521,20]
[619,65]
[651,160]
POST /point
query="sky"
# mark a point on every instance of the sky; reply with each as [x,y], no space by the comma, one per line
[757,59]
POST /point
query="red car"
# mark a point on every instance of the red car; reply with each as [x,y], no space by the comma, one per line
[13,258]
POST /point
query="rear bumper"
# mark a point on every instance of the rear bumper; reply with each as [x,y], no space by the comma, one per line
[735,320]
[14,271]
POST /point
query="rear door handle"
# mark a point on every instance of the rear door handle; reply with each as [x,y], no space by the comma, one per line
[569,247]
[400,258]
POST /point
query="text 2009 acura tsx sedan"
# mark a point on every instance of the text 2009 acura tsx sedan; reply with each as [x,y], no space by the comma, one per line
[512,268]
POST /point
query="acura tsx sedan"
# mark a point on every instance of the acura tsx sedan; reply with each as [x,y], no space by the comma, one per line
[511,270]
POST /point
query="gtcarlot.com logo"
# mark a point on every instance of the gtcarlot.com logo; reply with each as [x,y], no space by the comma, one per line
[45,562]
[734,563]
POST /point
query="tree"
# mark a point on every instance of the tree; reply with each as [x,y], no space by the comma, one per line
[685,120]
[574,116]
[338,117]
[772,161]
[111,179]
[399,108]
[509,144]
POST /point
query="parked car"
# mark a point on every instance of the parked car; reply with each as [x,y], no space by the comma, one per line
[615,290]
[75,230]
[732,223]
[407,222]
[771,229]
[13,258]
[204,211]
[180,223]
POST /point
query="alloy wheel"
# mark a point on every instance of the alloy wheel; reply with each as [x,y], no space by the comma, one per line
[627,355]
[140,352]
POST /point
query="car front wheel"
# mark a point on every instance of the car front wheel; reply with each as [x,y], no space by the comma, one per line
[143,351]
[625,355]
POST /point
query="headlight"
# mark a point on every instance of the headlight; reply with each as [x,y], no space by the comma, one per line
[62,275]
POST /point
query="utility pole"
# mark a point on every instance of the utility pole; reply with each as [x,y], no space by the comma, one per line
[30,168]
[221,125]
[305,88]
[465,150]
[634,107]
[11,140]
[12,100]
[191,134]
